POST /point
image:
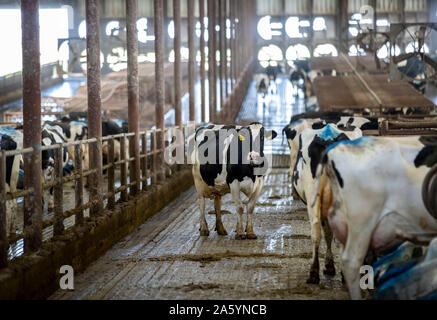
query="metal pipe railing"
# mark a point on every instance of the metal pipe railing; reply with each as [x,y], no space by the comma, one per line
[133,161]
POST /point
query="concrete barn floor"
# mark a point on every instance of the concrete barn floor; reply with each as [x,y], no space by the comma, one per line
[167,259]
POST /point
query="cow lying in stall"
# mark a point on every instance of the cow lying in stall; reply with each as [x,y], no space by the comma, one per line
[229,159]
[369,191]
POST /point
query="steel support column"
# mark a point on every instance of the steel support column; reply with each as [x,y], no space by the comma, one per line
[133,93]
[94,101]
[221,48]
[159,82]
[191,60]
[202,59]
[177,63]
[211,61]
[32,124]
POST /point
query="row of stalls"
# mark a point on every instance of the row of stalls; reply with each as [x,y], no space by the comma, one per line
[407,270]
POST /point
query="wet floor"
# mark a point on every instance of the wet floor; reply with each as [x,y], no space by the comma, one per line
[166,258]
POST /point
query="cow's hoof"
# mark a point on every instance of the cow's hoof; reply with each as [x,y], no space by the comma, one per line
[204,233]
[251,236]
[329,269]
[314,278]
[239,236]
[222,232]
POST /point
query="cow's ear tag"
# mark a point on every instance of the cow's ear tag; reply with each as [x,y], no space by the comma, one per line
[241,137]
[270,137]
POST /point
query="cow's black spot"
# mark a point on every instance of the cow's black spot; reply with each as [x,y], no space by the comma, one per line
[348,127]
[372,125]
[339,178]
[8,143]
[318,125]
[289,133]
[317,148]
[428,155]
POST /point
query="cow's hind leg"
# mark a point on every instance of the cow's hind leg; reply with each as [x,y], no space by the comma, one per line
[204,231]
[352,259]
[218,217]
[329,259]
[235,192]
[314,277]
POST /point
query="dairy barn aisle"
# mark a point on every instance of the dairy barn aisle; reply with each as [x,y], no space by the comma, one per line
[167,259]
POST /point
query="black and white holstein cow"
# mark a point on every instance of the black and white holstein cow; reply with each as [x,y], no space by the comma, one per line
[312,144]
[230,159]
[369,190]
[11,139]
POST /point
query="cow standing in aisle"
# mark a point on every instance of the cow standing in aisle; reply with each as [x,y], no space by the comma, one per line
[230,159]
[369,190]
[312,145]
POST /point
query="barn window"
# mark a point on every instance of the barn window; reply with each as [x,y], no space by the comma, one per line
[414,46]
[319,24]
[270,55]
[326,49]
[293,27]
[185,54]
[82,29]
[264,29]
[297,52]
[353,31]
[198,28]
[142,26]
[355,50]
[113,28]
[383,52]
[171,30]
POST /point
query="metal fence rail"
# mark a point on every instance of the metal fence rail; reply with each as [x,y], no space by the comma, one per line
[151,163]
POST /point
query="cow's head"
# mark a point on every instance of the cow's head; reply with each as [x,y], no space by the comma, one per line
[47,156]
[251,140]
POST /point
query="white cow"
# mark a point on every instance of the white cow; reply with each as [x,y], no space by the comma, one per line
[369,190]
[312,145]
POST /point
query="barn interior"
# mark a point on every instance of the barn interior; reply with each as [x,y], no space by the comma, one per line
[99,103]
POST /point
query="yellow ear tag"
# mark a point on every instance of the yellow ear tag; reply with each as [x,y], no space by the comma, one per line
[270,137]
[241,137]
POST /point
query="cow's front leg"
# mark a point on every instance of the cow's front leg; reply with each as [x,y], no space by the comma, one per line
[218,217]
[250,207]
[235,192]
[315,239]
[329,259]
[204,231]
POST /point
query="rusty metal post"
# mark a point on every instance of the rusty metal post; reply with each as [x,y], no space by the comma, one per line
[133,93]
[144,162]
[192,59]
[226,75]
[211,61]
[159,81]
[177,63]
[111,174]
[222,53]
[32,124]
[3,226]
[232,44]
[123,169]
[202,59]
[79,182]
[94,102]
[58,191]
